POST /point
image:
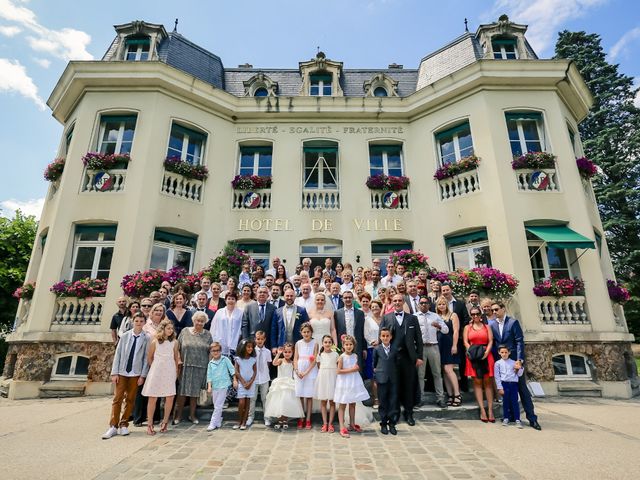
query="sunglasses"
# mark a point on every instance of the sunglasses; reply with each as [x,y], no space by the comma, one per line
[424,303]
[147,306]
[496,309]
[476,315]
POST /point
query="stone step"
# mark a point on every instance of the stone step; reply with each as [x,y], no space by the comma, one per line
[579,389]
[62,389]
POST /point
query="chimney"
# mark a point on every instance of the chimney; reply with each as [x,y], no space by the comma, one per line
[395,66]
[245,65]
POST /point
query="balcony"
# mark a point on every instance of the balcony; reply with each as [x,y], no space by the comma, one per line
[22,314]
[381,199]
[251,199]
[542,180]
[563,310]
[314,199]
[78,311]
[177,185]
[459,185]
[104,181]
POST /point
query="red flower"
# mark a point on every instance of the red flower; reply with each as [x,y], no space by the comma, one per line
[312,358]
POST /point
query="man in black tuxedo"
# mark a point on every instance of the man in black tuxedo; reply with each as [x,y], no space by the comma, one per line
[459,307]
[259,316]
[386,375]
[201,306]
[407,341]
[350,321]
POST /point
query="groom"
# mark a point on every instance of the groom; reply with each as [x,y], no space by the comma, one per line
[287,322]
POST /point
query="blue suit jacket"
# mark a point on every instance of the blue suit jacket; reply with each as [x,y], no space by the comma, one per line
[512,336]
[278,332]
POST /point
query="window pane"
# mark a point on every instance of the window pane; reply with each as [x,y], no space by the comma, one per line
[64,365]
[380,92]
[109,236]
[460,259]
[395,164]
[246,161]
[512,126]
[89,236]
[105,258]
[193,152]
[80,274]
[131,54]
[578,365]
[264,164]
[102,274]
[82,366]
[314,91]
[556,258]
[84,258]
[159,257]
[537,267]
[375,163]
[447,150]
[559,365]
[530,130]
[465,144]
[326,90]
[182,259]
[482,256]
[260,92]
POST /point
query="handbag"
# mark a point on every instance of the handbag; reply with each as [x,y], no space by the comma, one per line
[203,398]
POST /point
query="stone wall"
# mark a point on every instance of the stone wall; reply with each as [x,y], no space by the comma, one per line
[609,359]
[34,361]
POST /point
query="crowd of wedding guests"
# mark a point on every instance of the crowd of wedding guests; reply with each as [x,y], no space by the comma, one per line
[325,338]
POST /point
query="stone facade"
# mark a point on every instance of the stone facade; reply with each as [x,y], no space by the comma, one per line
[33,362]
[608,359]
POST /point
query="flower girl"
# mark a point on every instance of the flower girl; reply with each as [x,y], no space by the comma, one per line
[282,402]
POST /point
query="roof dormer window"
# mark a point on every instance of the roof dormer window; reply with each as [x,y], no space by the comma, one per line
[137,49]
[504,48]
[320,85]
[380,92]
[321,77]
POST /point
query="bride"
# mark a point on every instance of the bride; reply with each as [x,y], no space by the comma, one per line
[321,320]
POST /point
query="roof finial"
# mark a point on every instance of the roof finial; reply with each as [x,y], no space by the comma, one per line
[466,27]
[175,26]
[318,49]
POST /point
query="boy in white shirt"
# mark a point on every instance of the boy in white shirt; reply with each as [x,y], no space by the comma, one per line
[506,373]
[263,359]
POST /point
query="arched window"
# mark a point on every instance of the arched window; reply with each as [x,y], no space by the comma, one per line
[380,92]
[137,48]
[260,92]
[570,366]
[70,366]
[504,47]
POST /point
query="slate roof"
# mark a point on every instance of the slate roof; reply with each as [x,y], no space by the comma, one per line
[457,54]
[185,55]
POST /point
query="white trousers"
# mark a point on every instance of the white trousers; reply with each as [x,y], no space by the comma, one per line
[218,397]
[261,389]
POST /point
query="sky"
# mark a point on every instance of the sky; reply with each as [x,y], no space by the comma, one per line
[39,37]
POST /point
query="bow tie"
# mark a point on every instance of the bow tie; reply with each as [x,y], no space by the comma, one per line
[398,314]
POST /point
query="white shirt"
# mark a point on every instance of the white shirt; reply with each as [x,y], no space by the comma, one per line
[263,357]
[415,303]
[395,280]
[371,330]
[346,286]
[501,322]
[429,332]
[399,317]
[307,303]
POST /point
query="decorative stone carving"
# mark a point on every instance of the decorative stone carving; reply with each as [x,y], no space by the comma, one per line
[381,80]
[504,28]
[260,80]
[320,64]
[607,358]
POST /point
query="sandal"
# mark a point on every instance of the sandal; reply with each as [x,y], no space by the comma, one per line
[150,430]
[457,400]
[324,428]
[344,433]
[163,427]
[277,426]
[331,429]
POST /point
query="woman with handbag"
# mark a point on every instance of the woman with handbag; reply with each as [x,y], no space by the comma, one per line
[478,340]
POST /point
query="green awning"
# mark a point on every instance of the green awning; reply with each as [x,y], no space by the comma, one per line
[469,237]
[463,128]
[389,149]
[168,237]
[561,236]
[385,248]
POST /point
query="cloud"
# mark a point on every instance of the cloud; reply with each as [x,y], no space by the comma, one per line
[544,17]
[43,62]
[66,44]
[14,78]
[621,44]
[9,30]
[29,207]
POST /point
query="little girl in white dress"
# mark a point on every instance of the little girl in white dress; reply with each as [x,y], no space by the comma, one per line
[282,403]
[304,367]
[349,386]
[326,382]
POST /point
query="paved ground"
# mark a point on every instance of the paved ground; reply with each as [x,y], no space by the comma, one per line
[42,439]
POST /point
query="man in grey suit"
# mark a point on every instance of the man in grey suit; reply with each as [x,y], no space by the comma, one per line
[350,321]
[259,316]
[386,375]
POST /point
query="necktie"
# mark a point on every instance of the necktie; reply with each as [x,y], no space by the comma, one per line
[262,313]
[335,301]
[415,305]
[131,354]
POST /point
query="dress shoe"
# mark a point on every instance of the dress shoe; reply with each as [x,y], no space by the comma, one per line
[384,429]
[410,421]
[392,430]
[535,425]
[441,404]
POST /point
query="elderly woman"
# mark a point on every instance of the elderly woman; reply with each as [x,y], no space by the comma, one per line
[193,344]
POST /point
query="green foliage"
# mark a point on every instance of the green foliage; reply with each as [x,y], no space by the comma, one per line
[611,138]
[16,240]
[230,260]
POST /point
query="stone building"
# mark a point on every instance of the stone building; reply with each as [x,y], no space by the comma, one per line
[320,129]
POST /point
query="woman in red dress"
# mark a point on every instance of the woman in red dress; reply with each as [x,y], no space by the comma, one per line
[478,340]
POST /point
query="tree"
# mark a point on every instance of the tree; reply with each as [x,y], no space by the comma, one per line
[16,240]
[611,138]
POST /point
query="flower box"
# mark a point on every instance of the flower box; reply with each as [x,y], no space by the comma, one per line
[387,182]
[54,170]
[105,161]
[25,292]
[534,161]
[617,292]
[412,260]
[487,280]
[586,168]
[251,182]
[449,170]
[559,287]
[83,288]
[176,165]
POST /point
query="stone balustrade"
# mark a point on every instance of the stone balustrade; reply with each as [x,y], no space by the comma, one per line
[251,199]
[563,310]
[24,306]
[459,185]
[384,199]
[314,199]
[177,185]
[78,311]
[525,183]
[104,181]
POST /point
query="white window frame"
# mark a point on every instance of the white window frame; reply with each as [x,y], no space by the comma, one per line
[469,248]
[185,146]
[385,162]
[139,51]
[321,172]
[324,250]
[99,245]
[502,51]
[256,162]
[173,248]
[570,375]
[541,248]
[321,85]
[456,145]
[119,140]
[523,142]
[72,368]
